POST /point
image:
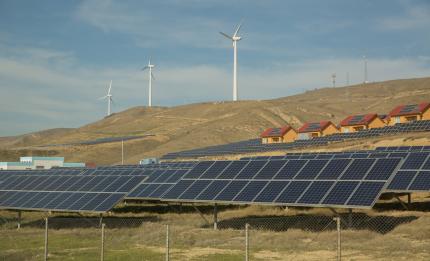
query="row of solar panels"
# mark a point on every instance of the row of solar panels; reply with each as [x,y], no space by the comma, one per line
[337,182]
[211,181]
[255,145]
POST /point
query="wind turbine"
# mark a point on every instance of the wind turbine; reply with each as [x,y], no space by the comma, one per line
[234,38]
[365,69]
[151,77]
[109,98]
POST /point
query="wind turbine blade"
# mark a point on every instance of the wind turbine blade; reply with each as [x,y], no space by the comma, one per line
[144,68]
[238,28]
[102,98]
[152,75]
[226,35]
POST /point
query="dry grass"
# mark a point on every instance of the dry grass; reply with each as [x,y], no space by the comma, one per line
[293,234]
[204,124]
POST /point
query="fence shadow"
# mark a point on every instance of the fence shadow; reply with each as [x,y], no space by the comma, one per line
[317,223]
[68,222]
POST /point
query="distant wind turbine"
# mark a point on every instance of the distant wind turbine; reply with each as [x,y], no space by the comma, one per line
[365,69]
[109,98]
[151,77]
[235,38]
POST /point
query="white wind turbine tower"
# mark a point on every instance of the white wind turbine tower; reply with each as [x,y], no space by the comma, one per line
[109,98]
[235,38]
[151,77]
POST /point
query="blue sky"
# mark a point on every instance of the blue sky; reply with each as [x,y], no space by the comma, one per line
[57,57]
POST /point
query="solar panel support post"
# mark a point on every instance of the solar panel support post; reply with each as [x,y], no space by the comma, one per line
[46,239]
[101,220]
[201,215]
[18,225]
[215,216]
[102,250]
[401,202]
[339,240]
[350,218]
[409,200]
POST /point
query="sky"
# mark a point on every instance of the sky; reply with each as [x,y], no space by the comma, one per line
[58,57]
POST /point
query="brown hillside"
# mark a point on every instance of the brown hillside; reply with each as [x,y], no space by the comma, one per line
[203,124]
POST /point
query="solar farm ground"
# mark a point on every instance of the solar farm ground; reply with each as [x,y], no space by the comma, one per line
[137,232]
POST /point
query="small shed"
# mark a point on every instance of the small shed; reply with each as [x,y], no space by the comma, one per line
[408,113]
[317,129]
[278,135]
[356,123]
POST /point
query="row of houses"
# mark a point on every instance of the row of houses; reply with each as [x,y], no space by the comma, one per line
[353,123]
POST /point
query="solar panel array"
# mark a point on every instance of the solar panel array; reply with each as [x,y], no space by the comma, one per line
[343,183]
[351,179]
[255,145]
[71,193]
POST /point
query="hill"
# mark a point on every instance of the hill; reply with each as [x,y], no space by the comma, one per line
[203,124]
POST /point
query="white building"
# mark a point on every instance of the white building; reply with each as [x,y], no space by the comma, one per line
[38,163]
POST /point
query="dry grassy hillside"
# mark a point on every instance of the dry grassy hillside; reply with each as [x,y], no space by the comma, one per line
[203,124]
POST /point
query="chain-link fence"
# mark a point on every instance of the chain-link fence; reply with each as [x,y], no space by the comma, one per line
[186,232]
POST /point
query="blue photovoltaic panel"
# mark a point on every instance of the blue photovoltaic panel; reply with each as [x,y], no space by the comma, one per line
[357,169]
[251,169]
[215,169]
[383,169]
[315,192]
[293,192]
[178,189]
[340,193]
[198,170]
[54,191]
[421,182]
[311,170]
[250,191]
[232,189]
[366,193]
[290,169]
[271,191]
[195,189]
[270,170]
[402,180]
[231,171]
[415,160]
[160,190]
[334,169]
[213,189]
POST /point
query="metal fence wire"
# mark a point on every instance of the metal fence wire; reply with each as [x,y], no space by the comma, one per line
[242,233]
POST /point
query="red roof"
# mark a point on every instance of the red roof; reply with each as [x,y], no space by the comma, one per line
[275,132]
[409,109]
[315,126]
[358,119]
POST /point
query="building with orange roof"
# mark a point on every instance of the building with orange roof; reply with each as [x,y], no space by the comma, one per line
[317,129]
[408,113]
[278,135]
[356,123]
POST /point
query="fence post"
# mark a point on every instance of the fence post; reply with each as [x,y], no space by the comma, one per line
[246,242]
[215,216]
[46,239]
[102,251]
[18,225]
[167,243]
[339,241]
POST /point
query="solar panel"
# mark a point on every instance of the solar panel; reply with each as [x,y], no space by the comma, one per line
[291,182]
[58,192]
